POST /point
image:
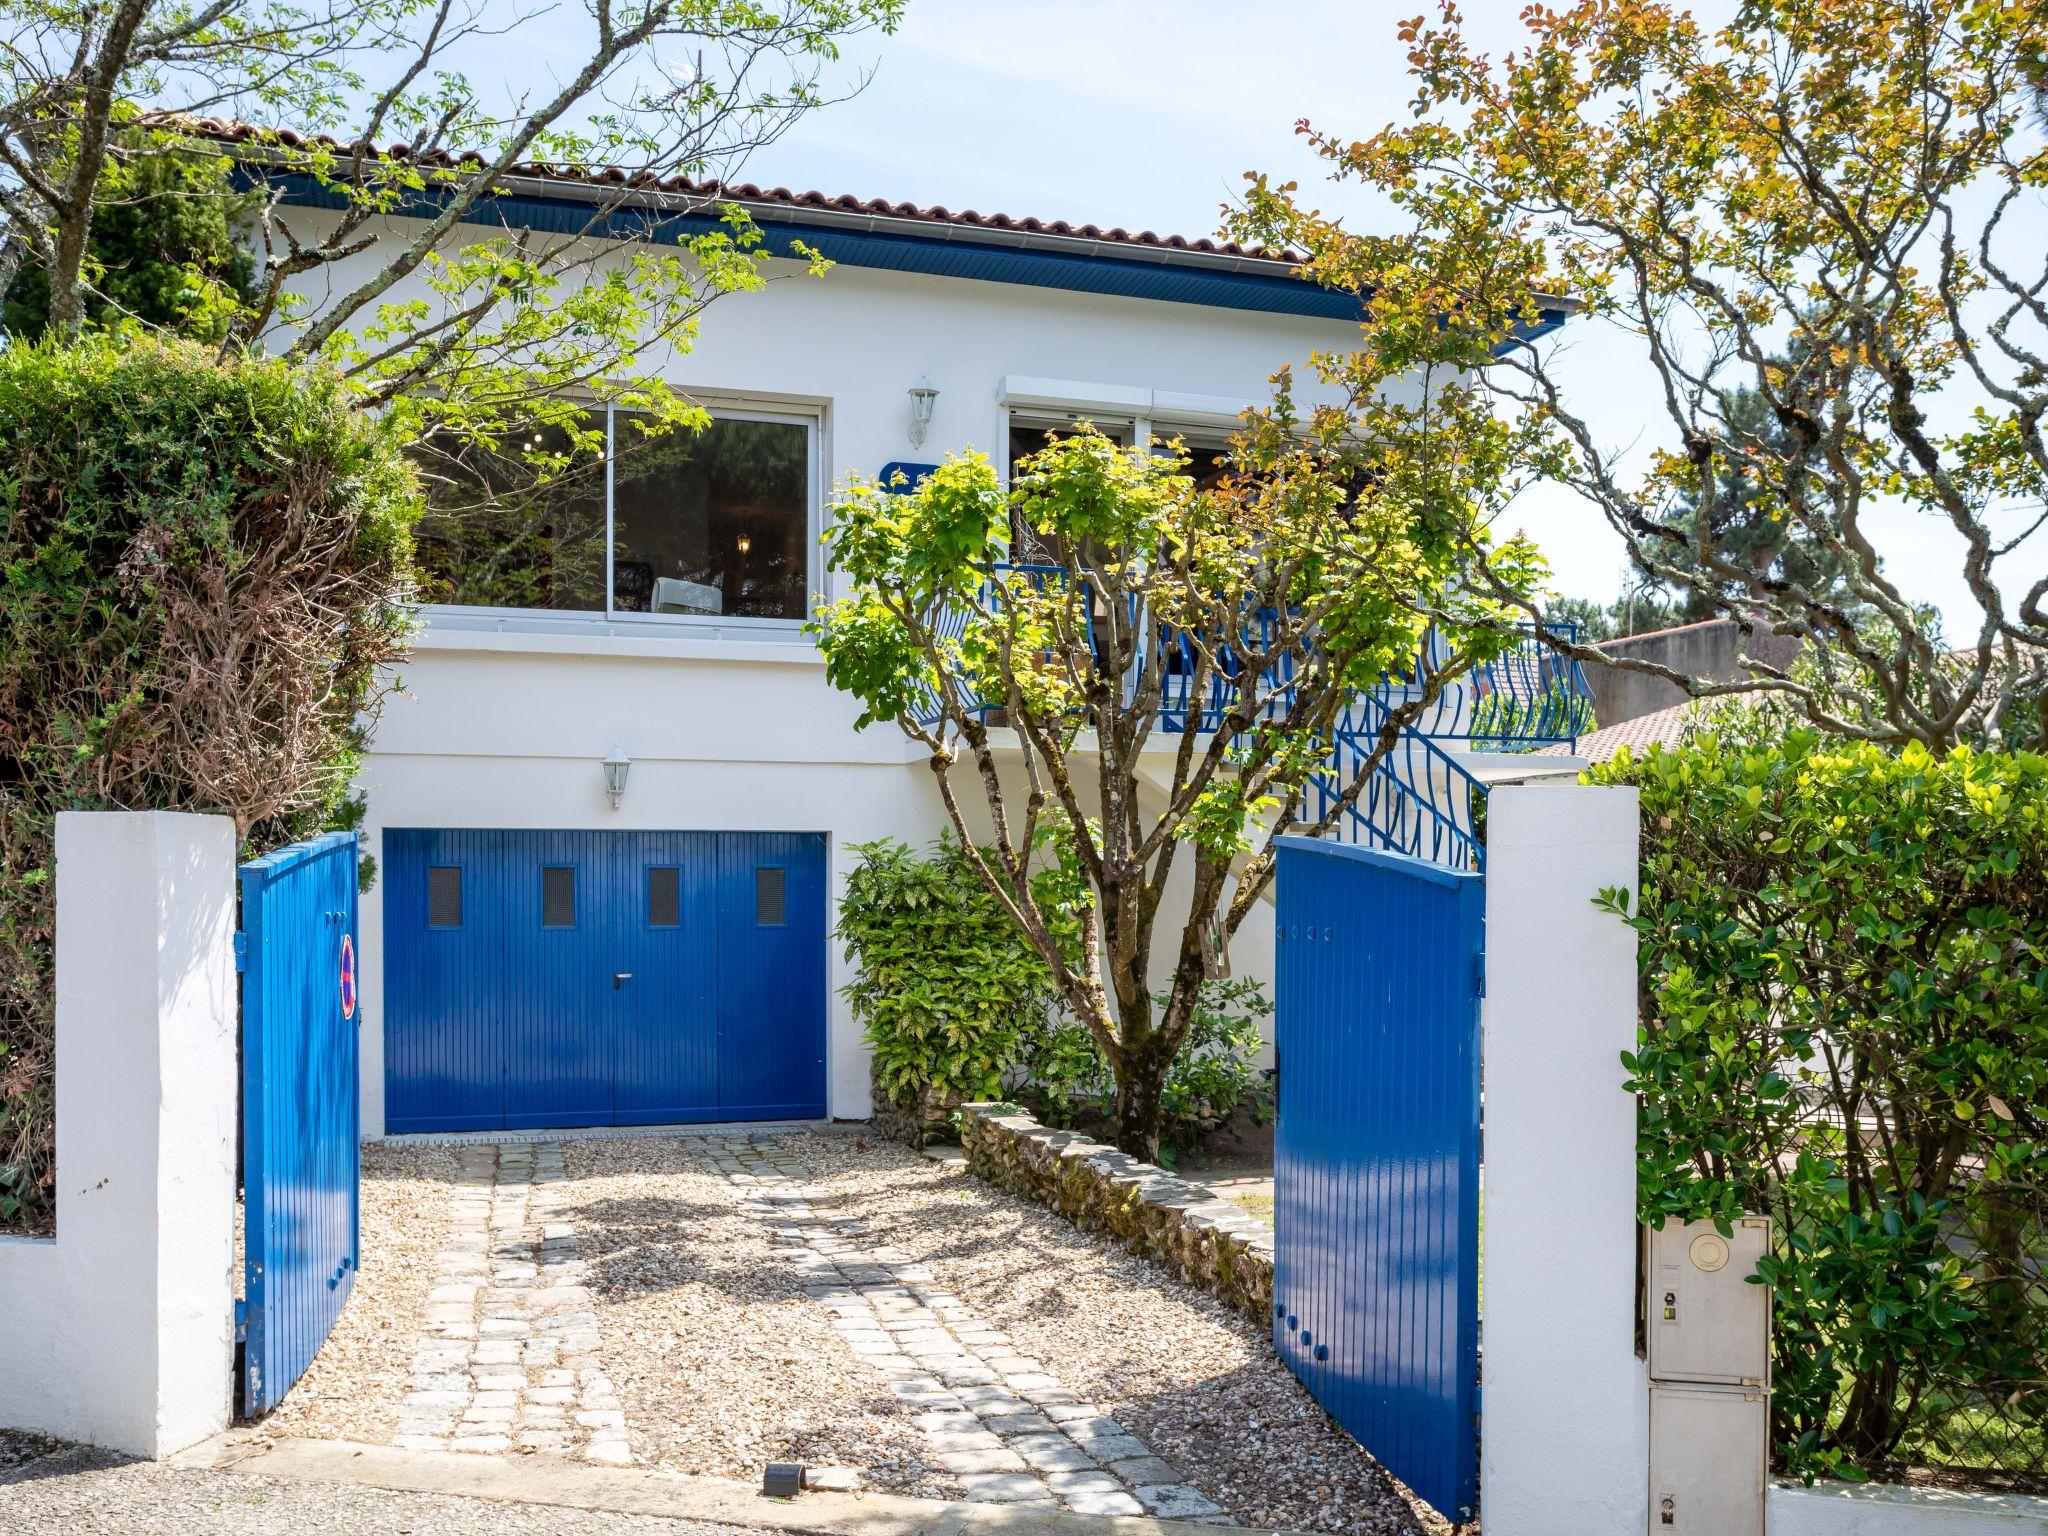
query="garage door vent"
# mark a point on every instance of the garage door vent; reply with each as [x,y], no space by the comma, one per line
[558,896]
[444,896]
[664,897]
[770,903]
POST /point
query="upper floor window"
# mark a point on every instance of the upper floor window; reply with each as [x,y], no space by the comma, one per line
[712,523]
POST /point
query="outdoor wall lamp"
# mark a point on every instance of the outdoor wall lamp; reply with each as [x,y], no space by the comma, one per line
[616,766]
[923,396]
[743,543]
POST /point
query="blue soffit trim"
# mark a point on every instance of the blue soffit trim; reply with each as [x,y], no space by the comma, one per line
[941,254]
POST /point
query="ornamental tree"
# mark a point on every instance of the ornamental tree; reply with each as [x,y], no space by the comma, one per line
[1177,678]
[1820,226]
[464,330]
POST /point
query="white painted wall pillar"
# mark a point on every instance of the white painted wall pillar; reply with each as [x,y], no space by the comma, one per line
[120,1330]
[1565,1405]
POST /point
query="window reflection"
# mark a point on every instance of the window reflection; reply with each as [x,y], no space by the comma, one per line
[712,522]
[492,537]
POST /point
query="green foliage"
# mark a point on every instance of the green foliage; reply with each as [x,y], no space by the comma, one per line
[1818,225]
[1844,962]
[1633,613]
[1064,1074]
[943,984]
[164,252]
[202,573]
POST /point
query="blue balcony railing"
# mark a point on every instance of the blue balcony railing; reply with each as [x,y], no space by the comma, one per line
[1419,800]
[1532,696]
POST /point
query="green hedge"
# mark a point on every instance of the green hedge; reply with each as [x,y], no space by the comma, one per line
[203,568]
[958,1007]
[1844,1015]
[943,982]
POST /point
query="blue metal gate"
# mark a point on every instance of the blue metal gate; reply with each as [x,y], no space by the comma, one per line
[540,979]
[300,1160]
[1376,1157]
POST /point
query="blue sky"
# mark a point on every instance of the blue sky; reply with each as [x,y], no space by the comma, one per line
[1147,113]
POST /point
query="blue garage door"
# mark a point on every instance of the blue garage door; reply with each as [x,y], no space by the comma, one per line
[541,979]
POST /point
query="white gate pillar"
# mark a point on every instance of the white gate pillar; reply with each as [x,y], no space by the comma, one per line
[1565,1404]
[120,1330]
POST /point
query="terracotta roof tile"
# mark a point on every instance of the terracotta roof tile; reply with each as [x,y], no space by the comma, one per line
[1659,728]
[229,132]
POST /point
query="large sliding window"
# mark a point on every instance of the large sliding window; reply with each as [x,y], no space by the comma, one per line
[715,523]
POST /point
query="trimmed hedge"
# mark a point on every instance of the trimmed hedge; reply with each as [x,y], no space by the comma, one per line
[204,564]
[1844,1026]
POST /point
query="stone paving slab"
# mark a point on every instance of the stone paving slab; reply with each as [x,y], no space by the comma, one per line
[1011,1432]
[508,1358]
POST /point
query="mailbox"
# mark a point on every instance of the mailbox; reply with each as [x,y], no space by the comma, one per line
[1707,1322]
[1709,1447]
[1710,1378]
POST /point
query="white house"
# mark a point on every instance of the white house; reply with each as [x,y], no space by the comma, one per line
[615,800]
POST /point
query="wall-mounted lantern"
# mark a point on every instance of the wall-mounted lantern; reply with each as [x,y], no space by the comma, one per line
[616,766]
[923,396]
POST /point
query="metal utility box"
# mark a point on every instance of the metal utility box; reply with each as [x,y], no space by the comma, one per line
[1709,1449]
[1707,1322]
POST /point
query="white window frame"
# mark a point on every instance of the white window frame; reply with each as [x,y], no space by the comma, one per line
[582,620]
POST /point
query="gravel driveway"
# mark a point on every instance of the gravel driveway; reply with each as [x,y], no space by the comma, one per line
[1195,1380]
[838,1300]
[356,1382]
[721,1359]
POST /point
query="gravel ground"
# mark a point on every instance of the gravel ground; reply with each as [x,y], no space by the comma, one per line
[356,1382]
[721,1360]
[1193,1379]
[88,1493]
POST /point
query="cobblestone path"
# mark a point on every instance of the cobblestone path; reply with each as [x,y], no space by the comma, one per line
[1006,1429]
[508,1360]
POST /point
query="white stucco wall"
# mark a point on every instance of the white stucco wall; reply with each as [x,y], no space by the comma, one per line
[120,1330]
[735,728]
[1565,1431]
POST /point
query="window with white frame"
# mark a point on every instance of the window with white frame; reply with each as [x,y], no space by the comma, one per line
[715,523]
[1207,449]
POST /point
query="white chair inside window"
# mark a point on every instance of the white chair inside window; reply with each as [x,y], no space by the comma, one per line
[674,595]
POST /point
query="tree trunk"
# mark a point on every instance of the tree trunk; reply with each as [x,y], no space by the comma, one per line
[1140,1104]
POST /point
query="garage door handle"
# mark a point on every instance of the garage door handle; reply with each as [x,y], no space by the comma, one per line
[620,976]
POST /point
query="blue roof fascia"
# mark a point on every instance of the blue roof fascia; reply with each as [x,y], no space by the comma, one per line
[935,256]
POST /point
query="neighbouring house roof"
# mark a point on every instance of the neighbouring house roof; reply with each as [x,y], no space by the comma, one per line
[873,232]
[1659,728]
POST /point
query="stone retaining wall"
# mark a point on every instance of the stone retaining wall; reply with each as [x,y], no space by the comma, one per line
[914,1122]
[1207,1241]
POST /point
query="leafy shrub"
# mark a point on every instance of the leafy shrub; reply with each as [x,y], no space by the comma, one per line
[943,981]
[1063,1073]
[203,566]
[167,250]
[1844,1025]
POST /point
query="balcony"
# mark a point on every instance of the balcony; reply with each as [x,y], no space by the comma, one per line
[1423,798]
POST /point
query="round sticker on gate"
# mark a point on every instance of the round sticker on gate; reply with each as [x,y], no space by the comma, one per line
[348,976]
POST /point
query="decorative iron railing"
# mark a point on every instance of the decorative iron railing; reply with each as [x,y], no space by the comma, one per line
[1531,696]
[1419,799]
